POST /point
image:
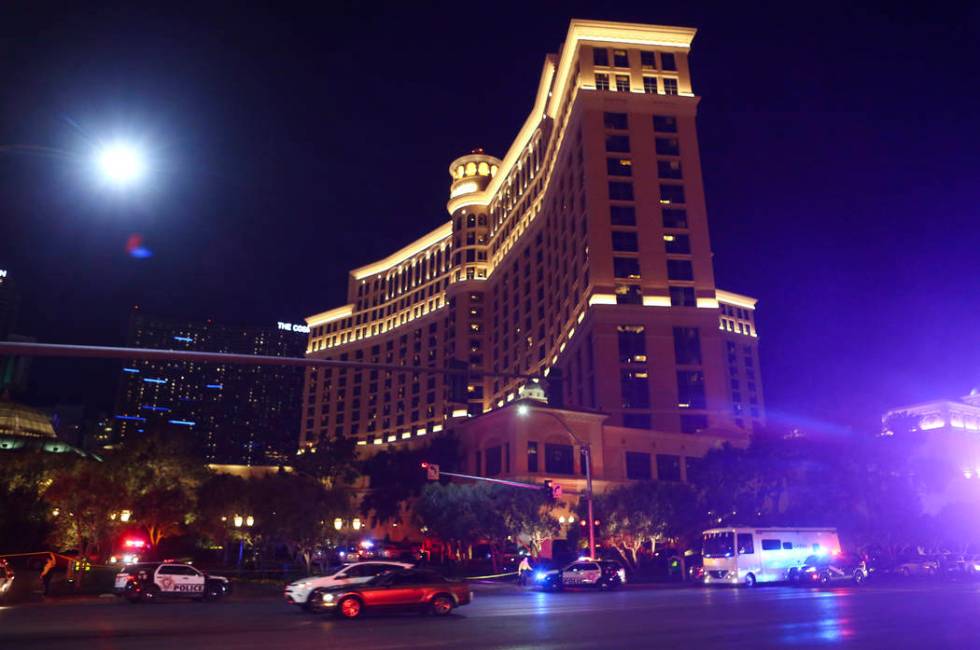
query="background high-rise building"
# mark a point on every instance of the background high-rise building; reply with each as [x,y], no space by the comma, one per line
[233,414]
[584,251]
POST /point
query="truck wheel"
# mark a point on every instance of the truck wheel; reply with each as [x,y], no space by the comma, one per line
[749,580]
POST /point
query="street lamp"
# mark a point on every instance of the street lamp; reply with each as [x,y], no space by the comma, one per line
[524,410]
[120,163]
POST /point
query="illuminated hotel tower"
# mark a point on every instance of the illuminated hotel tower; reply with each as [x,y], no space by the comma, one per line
[585,248]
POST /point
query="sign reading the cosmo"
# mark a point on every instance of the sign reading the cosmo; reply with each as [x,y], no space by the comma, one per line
[291,327]
[3,273]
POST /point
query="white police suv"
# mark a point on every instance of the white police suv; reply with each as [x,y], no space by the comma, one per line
[154,580]
[298,593]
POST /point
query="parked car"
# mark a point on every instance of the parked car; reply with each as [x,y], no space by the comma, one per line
[410,589]
[695,566]
[584,572]
[916,565]
[6,578]
[299,592]
[831,568]
[148,581]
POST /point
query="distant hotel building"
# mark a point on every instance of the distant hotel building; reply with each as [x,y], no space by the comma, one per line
[234,414]
[946,432]
[584,250]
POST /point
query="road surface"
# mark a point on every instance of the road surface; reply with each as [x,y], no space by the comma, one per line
[894,615]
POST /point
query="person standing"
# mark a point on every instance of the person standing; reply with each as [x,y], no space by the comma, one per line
[523,570]
[47,572]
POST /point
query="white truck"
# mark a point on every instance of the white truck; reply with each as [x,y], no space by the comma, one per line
[747,555]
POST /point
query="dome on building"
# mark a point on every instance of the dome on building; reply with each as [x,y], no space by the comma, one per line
[23,427]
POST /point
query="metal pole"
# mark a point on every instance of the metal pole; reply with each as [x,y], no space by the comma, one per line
[588,498]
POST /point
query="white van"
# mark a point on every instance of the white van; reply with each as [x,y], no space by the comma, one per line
[745,556]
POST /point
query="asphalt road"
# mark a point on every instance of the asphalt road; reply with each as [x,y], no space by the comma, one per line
[898,615]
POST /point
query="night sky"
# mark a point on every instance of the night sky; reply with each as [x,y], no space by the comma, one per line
[840,146]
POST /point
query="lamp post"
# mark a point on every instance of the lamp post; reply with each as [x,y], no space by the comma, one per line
[524,410]
[239,521]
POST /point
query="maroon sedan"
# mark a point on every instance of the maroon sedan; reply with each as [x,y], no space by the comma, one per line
[414,589]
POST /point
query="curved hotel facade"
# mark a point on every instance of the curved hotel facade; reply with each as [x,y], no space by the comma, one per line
[583,250]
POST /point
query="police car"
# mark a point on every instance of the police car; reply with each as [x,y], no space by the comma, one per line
[343,575]
[146,581]
[584,572]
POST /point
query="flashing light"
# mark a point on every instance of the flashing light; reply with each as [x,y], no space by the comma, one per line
[367,544]
[121,163]
[151,380]
[134,543]
[539,576]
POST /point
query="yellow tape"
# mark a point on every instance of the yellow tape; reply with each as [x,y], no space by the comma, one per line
[496,575]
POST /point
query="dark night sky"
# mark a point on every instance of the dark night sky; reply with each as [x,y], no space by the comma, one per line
[840,147]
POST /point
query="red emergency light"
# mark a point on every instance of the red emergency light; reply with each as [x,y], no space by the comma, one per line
[134,543]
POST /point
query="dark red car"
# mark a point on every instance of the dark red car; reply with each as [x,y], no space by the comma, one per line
[420,590]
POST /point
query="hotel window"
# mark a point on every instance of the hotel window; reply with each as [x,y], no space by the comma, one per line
[682,297]
[668,147]
[637,420]
[665,123]
[690,389]
[687,346]
[632,343]
[622,215]
[494,461]
[623,83]
[668,61]
[677,244]
[626,242]
[680,270]
[620,59]
[618,121]
[693,423]
[626,268]
[600,56]
[532,456]
[648,59]
[669,169]
[668,467]
[601,81]
[620,191]
[558,459]
[670,86]
[628,294]
[619,166]
[672,193]
[618,143]
[635,389]
[674,218]
[650,85]
[638,466]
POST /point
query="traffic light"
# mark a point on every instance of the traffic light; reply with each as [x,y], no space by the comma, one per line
[554,489]
[458,381]
[431,471]
[555,388]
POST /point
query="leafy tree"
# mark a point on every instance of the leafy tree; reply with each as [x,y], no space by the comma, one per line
[297,511]
[526,515]
[218,499]
[162,512]
[24,515]
[460,515]
[85,496]
[396,476]
[333,461]
[637,514]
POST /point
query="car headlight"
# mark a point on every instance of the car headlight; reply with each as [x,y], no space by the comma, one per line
[539,576]
[328,598]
